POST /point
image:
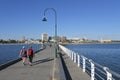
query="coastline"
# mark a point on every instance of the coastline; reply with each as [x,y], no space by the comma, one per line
[59,43]
[90,43]
[15,44]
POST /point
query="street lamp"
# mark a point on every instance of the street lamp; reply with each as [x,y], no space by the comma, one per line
[44,19]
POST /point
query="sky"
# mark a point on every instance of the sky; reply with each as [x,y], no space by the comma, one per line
[93,19]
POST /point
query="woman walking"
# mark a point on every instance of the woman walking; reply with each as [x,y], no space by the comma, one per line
[23,54]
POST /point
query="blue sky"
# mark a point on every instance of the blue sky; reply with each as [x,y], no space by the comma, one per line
[93,19]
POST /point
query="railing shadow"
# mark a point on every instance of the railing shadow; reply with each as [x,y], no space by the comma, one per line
[67,73]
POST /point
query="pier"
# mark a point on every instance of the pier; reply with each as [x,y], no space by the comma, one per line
[67,66]
[43,68]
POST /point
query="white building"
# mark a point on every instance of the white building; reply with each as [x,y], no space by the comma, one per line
[32,42]
[44,37]
[105,41]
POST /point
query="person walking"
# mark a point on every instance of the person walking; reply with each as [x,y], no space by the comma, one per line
[30,54]
[23,54]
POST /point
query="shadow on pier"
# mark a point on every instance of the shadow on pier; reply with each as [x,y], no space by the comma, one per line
[42,61]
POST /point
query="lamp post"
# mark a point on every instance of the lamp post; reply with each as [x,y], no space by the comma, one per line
[44,19]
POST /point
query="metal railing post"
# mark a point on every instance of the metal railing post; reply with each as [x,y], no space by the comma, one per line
[109,75]
[92,70]
[78,60]
[83,63]
[74,57]
[70,54]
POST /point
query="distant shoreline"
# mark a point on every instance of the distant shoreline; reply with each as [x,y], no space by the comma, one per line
[91,43]
[60,43]
[13,44]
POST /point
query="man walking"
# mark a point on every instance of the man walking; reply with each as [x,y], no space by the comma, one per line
[30,54]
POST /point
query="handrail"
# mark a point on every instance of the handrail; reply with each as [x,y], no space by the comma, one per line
[95,70]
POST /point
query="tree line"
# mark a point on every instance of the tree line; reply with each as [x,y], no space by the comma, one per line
[9,41]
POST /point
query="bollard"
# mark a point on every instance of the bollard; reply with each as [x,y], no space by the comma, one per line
[92,70]
[109,75]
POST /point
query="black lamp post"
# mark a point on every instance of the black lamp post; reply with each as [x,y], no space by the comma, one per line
[44,19]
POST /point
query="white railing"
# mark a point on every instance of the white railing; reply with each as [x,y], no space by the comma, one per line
[96,71]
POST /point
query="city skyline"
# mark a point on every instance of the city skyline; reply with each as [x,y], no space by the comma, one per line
[94,19]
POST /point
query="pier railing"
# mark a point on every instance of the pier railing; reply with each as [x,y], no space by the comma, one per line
[94,70]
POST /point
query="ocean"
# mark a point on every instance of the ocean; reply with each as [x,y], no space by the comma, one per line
[104,54]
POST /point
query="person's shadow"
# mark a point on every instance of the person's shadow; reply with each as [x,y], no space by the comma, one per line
[42,61]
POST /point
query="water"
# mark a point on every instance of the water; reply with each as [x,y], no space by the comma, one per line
[10,52]
[105,54]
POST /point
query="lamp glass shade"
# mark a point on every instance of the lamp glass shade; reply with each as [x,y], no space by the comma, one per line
[44,19]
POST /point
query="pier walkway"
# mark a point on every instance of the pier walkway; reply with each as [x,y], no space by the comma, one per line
[75,72]
[42,68]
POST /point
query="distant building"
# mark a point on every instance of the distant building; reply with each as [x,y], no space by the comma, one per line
[31,41]
[105,41]
[63,39]
[23,38]
[44,37]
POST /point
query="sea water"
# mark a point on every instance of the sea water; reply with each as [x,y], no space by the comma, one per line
[11,51]
[104,54]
